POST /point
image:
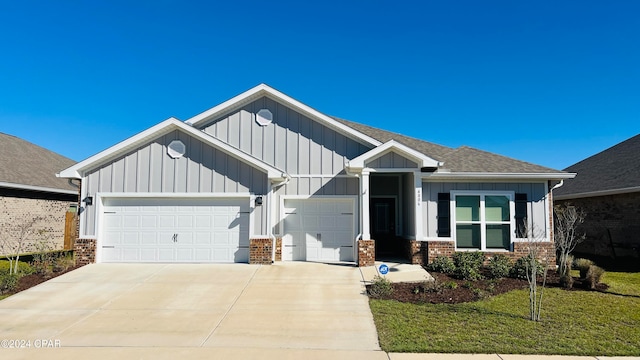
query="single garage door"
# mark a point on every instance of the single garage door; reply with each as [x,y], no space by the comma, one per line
[175,230]
[318,229]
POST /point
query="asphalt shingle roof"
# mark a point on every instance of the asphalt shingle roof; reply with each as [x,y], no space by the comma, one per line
[461,159]
[617,167]
[24,163]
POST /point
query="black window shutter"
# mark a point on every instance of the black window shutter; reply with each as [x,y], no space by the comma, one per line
[444,215]
[521,215]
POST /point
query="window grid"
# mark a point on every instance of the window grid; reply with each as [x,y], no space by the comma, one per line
[482,222]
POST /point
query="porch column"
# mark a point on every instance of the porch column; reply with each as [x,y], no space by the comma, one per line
[418,205]
[364,193]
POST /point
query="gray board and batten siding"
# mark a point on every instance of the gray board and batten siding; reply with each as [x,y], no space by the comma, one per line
[292,142]
[536,201]
[202,169]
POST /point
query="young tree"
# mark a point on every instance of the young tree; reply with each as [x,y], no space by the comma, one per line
[567,218]
[14,238]
[536,265]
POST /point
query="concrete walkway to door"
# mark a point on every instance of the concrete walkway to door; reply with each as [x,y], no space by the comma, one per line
[157,311]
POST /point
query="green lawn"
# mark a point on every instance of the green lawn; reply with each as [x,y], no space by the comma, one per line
[573,323]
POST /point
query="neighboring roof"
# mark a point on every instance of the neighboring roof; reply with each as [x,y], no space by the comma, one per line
[76,171]
[261,90]
[24,165]
[463,159]
[614,170]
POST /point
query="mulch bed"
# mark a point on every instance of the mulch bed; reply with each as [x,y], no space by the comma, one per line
[32,280]
[443,290]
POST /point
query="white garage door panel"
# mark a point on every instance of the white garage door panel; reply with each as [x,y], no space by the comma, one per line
[175,230]
[318,229]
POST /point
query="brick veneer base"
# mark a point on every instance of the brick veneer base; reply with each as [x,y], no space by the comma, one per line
[84,251]
[546,251]
[260,251]
[366,252]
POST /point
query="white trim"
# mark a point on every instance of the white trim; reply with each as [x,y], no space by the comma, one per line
[418,192]
[37,188]
[100,197]
[77,171]
[597,193]
[445,175]
[265,90]
[320,176]
[392,146]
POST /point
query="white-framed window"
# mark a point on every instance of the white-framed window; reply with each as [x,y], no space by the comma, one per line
[483,220]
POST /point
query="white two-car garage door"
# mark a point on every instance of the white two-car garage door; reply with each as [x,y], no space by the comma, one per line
[175,230]
[318,229]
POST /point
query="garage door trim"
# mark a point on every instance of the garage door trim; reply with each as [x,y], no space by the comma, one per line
[354,204]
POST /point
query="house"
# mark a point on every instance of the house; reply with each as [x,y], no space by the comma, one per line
[263,177]
[31,195]
[607,188]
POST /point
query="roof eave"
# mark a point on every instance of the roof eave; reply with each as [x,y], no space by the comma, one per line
[78,170]
[443,175]
[588,194]
[37,188]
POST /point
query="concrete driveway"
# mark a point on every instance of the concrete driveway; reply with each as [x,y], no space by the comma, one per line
[157,311]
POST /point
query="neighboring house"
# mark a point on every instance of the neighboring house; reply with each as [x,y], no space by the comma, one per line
[607,188]
[31,195]
[263,177]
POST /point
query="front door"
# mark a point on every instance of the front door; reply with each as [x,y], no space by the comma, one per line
[383,226]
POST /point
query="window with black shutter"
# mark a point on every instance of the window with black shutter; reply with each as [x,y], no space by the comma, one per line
[444,215]
[521,215]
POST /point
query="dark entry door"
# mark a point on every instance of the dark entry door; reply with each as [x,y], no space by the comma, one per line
[383,225]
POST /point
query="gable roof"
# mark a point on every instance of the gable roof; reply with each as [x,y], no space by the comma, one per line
[463,160]
[76,171]
[261,90]
[392,146]
[614,170]
[27,166]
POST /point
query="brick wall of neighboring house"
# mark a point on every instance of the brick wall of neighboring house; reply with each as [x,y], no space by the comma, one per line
[16,212]
[85,251]
[612,225]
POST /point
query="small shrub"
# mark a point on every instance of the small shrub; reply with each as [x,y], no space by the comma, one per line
[63,263]
[479,294]
[23,268]
[593,276]
[519,270]
[566,281]
[442,264]
[380,287]
[468,265]
[499,266]
[8,282]
[582,265]
[450,285]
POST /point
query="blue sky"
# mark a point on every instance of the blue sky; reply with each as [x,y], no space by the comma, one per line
[549,82]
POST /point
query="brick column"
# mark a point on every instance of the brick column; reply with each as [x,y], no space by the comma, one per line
[260,251]
[278,249]
[366,252]
[84,251]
